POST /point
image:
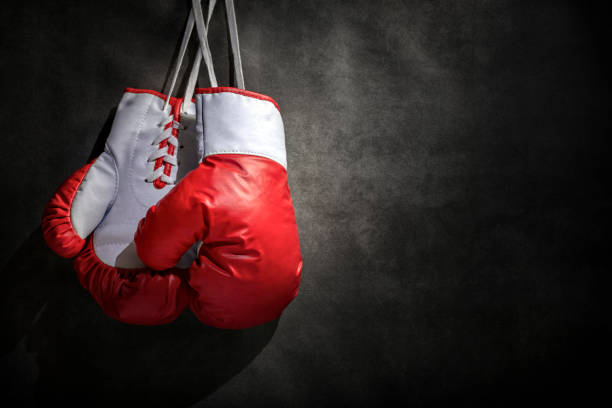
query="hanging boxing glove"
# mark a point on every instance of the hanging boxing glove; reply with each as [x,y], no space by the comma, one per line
[237,202]
[93,215]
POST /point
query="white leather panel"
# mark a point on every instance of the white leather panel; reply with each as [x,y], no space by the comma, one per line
[94,196]
[135,127]
[237,124]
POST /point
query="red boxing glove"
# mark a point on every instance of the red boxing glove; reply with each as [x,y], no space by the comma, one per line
[103,201]
[237,203]
[95,212]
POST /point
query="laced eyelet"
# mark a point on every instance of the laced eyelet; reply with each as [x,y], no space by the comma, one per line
[165,156]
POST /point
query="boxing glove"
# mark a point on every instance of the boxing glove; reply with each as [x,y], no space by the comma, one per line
[153,142]
[94,213]
[237,203]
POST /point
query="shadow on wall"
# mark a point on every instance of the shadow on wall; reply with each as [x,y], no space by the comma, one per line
[58,345]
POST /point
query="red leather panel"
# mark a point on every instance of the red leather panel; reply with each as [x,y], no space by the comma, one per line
[135,296]
[57,227]
[249,265]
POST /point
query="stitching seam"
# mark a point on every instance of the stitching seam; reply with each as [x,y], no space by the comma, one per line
[277,160]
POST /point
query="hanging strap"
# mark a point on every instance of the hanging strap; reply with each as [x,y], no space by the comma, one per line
[233,34]
[234,43]
[204,49]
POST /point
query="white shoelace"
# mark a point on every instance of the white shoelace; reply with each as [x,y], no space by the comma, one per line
[168,135]
[195,18]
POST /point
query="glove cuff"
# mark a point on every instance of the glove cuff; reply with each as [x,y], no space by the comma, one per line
[235,121]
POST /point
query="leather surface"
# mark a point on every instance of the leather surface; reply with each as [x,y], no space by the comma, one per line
[237,202]
[136,125]
[95,194]
[57,228]
[137,296]
[233,122]
[249,265]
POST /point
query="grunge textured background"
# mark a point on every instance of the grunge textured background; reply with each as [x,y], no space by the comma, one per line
[448,165]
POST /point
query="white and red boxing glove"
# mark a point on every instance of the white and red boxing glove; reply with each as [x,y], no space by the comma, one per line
[93,215]
[237,203]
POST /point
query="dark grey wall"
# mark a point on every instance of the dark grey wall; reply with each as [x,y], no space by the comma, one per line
[446,161]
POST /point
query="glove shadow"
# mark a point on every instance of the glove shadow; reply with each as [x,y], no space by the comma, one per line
[58,345]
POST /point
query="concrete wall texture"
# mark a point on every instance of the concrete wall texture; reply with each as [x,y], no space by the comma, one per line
[447,162]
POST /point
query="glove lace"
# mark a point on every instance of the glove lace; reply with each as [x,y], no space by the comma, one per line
[165,155]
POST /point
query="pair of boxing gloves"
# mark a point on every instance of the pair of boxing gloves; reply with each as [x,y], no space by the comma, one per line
[186,207]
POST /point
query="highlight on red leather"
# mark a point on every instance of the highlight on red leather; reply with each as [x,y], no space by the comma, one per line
[57,228]
[134,296]
[249,265]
